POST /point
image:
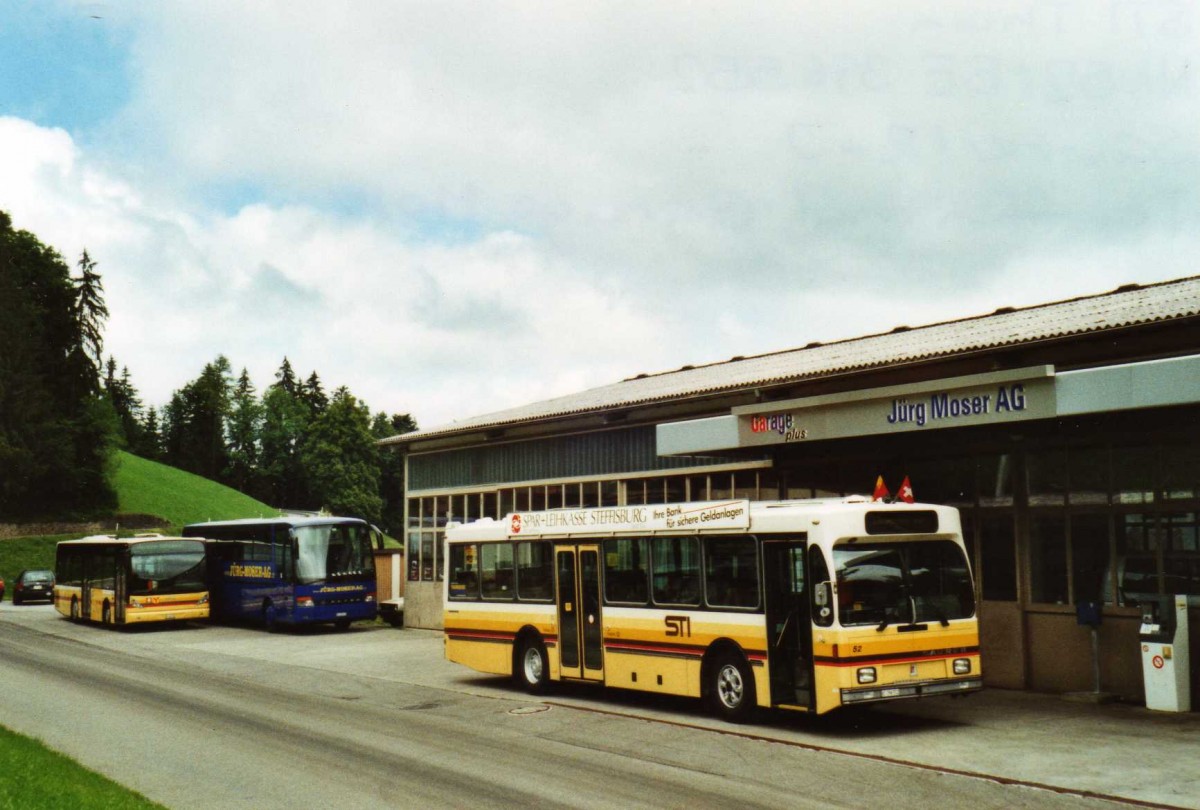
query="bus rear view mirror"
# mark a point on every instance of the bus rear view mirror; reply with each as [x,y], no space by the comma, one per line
[822,600]
[821,595]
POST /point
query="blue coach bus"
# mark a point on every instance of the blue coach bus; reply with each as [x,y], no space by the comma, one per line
[291,570]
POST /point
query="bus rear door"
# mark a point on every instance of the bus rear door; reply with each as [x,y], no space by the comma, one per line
[580,634]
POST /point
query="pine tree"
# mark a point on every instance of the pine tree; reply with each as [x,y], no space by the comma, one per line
[281,476]
[285,378]
[55,434]
[150,444]
[245,427]
[90,312]
[341,459]
[313,395]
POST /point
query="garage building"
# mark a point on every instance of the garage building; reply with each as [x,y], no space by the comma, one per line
[1068,434]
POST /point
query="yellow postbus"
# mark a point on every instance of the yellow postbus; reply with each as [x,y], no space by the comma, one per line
[130,580]
[802,605]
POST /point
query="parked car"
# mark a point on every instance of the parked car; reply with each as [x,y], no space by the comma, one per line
[32,586]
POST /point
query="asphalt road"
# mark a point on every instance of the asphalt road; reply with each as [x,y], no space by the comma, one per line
[205,716]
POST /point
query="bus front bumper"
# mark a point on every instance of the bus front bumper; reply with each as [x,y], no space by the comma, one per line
[900,691]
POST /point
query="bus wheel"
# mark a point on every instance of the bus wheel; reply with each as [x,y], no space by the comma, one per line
[270,616]
[532,672]
[74,608]
[342,625]
[732,689]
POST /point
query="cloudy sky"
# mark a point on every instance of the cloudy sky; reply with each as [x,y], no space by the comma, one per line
[454,208]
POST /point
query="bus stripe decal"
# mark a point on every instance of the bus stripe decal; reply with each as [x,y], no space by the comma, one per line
[894,658]
[673,650]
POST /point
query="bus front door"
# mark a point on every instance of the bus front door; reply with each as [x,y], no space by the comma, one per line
[789,625]
[580,637]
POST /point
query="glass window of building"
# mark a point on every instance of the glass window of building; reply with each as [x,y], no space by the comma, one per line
[1090,544]
[995,480]
[720,486]
[676,490]
[745,485]
[1133,471]
[1181,471]
[634,492]
[1088,476]
[1048,559]
[1046,471]
[997,558]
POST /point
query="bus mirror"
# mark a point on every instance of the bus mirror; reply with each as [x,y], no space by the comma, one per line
[821,594]
[376,538]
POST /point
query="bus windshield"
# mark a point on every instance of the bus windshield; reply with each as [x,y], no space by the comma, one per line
[333,552]
[911,582]
[170,566]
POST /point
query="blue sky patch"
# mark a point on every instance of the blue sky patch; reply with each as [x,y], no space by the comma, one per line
[62,66]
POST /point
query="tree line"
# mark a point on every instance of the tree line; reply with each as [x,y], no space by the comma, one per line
[294,447]
[56,433]
[64,409]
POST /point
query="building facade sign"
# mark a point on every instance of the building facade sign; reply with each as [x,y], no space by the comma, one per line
[965,401]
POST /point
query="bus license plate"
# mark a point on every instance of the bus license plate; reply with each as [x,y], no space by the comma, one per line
[890,692]
[341,615]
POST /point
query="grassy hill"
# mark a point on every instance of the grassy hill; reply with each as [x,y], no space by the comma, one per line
[145,488]
[149,488]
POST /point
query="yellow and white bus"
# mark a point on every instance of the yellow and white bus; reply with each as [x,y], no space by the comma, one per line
[802,605]
[130,580]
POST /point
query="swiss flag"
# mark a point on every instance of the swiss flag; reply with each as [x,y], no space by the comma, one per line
[881,490]
[905,494]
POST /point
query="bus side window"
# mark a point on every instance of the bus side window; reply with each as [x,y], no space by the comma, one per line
[625,571]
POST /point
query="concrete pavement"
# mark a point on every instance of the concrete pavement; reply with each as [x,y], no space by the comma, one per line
[1103,751]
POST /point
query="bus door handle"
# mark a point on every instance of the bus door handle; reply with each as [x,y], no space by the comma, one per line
[566,607]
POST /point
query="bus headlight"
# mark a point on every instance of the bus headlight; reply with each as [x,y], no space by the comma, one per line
[304,601]
[962,666]
[866,674]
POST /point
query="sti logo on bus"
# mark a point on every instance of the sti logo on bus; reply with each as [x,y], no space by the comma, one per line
[678,626]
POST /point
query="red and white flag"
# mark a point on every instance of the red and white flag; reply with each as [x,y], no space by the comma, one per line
[905,494]
[881,490]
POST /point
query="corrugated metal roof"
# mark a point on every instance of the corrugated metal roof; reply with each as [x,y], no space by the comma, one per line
[1125,306]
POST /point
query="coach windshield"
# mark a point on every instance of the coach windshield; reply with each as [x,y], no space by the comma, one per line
[902,583]
[333,552]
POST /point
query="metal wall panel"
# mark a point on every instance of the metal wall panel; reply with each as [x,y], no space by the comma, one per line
[611,452]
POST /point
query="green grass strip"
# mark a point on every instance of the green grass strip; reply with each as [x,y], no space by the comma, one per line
[32,777]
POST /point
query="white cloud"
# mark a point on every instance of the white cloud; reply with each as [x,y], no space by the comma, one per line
[456,207]
[441,331]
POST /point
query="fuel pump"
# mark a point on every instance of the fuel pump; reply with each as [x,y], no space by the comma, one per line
[1165,666]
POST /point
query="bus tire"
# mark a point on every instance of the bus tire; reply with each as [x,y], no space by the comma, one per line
[731,689]
[531,669]
[342,625]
